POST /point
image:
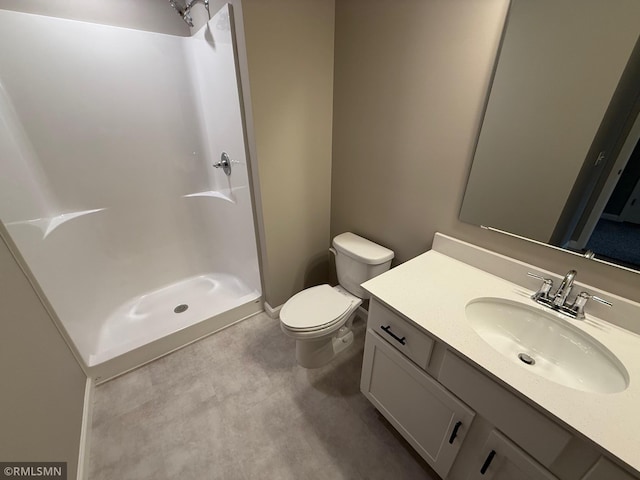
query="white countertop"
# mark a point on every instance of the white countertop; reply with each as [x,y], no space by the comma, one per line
[432,290]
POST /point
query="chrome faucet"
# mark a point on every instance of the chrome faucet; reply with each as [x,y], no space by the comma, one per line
[560,297]
[558,301]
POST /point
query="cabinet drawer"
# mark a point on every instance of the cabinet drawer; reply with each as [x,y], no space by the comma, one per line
[430,418]
[412,342]
[534,432]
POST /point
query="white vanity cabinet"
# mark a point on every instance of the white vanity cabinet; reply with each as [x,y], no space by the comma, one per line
[459,409]
[427,367]
[432,420]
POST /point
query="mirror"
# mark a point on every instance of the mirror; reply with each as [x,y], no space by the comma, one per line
[556,159]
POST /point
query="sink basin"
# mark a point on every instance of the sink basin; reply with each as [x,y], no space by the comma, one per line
[547,345]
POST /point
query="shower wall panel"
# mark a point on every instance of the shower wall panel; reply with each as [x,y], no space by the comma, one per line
[108,139]
[211,54]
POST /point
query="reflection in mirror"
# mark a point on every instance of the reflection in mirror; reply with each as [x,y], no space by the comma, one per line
[557,158]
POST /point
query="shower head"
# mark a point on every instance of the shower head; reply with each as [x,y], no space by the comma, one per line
[184,10]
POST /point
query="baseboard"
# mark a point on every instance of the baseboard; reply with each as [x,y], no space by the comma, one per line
[271,311]
[612,217]
[85,432]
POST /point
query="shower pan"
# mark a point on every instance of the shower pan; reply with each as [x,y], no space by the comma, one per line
[112,184]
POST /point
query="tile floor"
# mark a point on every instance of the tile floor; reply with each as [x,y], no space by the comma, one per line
[236,405]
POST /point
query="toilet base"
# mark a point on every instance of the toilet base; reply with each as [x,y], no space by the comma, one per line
[317,353]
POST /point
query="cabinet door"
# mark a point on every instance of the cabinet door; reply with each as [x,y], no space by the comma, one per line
[500,459]
[430,418]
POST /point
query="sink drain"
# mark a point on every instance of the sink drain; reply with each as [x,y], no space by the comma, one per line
[180,308]
[526,359]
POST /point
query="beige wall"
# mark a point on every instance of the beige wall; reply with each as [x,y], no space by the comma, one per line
[43,386]
[409,88]
[289,45]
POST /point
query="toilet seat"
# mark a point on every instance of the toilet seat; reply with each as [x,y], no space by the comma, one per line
[316,308]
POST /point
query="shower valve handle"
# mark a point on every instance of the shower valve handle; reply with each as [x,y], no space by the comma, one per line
[224,163]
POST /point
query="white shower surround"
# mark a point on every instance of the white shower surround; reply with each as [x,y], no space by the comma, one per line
[107,140]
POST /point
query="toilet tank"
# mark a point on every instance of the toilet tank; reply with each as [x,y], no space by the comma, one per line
[358,260]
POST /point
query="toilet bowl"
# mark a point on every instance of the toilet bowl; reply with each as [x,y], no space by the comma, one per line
[320,318]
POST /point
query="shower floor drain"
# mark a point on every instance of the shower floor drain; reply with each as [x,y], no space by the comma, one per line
[181,308]
[526,359]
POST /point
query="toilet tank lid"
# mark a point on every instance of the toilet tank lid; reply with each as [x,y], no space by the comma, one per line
[362,249]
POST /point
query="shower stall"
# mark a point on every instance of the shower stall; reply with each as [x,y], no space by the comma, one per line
[124,182]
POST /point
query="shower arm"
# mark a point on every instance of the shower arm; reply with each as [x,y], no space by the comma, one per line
[185,12]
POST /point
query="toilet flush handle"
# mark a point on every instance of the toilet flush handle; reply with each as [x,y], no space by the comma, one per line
[333,250]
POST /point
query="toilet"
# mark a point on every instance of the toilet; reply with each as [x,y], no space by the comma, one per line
[320,318]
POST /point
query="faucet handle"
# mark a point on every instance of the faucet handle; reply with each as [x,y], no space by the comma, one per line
[539,277]
[581,301]
[601,300]
[545,288]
